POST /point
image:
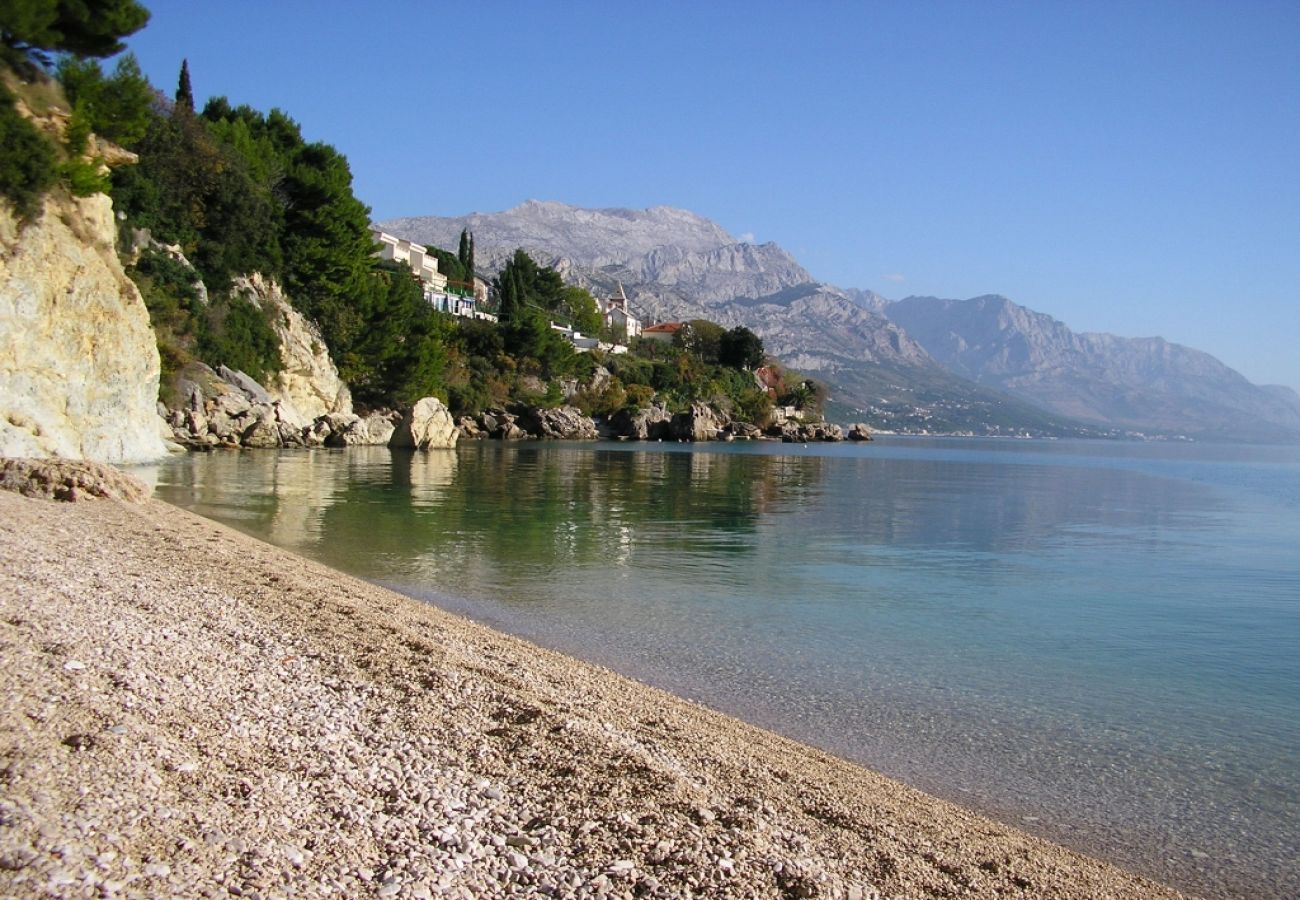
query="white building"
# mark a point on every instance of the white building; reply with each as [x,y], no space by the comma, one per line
[417,256]
[618,316]
[461,300]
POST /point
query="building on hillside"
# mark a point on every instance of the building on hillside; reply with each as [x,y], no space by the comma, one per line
[423,263]
[458,298]
[585,342]
[618,316]
[664,332]
[768,379]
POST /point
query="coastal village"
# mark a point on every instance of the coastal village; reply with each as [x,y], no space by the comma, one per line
[470,300]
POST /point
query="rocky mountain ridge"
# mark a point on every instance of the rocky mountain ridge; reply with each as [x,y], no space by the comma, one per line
[1140,384]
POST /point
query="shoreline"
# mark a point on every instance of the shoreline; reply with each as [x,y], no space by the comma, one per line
[242,717]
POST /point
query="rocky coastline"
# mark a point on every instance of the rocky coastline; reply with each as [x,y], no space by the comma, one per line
[226,408]
[190,712]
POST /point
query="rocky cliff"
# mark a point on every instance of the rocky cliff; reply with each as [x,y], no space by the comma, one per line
[78,361]
[308,382]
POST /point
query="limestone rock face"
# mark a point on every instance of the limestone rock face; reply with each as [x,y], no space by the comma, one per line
[78,361]
[426,425]
[308,382]
[859,431]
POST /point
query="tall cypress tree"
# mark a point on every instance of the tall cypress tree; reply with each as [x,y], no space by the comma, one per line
[184,93]
[465,254]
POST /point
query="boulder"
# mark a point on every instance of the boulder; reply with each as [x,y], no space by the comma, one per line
[650,424]
[565,423]
[426,425]
[351,430]
[859,431]
[470,428]
[699,423]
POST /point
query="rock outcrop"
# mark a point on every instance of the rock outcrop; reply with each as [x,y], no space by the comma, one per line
[859,431]
[426,425]
[78,361]
[654,423]
[567,423]
[71,480]
[699,423]
[308,381]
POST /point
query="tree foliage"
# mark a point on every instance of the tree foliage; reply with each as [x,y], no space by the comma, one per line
[28,167]
[34,29]
[184,90]
[740,348]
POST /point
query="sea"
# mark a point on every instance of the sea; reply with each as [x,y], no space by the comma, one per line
[1098,642]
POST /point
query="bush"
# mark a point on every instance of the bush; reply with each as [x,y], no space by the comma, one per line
[28,166]
[237,335]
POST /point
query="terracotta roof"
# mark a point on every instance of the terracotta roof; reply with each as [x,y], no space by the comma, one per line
[664,327]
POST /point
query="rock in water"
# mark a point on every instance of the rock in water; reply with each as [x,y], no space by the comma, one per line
[79,364]
[426,425]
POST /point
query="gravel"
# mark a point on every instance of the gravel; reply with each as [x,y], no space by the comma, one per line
[189,712]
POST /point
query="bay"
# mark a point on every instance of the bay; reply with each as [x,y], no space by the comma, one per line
[1096,641]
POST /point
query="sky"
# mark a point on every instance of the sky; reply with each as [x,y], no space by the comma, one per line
[1132,168]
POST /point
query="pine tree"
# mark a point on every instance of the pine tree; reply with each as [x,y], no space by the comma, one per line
[184,93]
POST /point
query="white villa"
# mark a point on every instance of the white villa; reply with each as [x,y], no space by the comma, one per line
[444,297]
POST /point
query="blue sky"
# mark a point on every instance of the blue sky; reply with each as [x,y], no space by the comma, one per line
[1125,167]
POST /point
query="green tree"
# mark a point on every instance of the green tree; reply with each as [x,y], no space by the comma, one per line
[117,108]
[28,167]
[579,307]
[465,255]
[184,92]
[740,348]
[33,29]
[702,338]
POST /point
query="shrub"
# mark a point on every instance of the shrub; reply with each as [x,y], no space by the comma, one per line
[28,167]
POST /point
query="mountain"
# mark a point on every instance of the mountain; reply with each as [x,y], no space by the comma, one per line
[674,265]
[1136,384]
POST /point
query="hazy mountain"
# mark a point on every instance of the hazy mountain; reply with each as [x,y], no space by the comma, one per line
[1139,384]
[676,265]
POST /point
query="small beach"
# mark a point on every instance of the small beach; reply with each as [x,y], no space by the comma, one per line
[189,711]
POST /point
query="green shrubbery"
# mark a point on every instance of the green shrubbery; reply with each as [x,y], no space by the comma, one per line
[28,165]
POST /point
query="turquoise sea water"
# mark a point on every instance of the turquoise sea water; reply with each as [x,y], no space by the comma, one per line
[1096,641]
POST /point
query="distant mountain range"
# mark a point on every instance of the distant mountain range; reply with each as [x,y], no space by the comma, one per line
[984,366]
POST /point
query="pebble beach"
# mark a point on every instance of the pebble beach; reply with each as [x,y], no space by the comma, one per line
[189,712]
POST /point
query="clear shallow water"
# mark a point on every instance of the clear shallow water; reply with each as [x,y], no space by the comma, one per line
[1096,641]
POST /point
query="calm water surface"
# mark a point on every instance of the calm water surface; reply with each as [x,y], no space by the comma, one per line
[1099,642]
